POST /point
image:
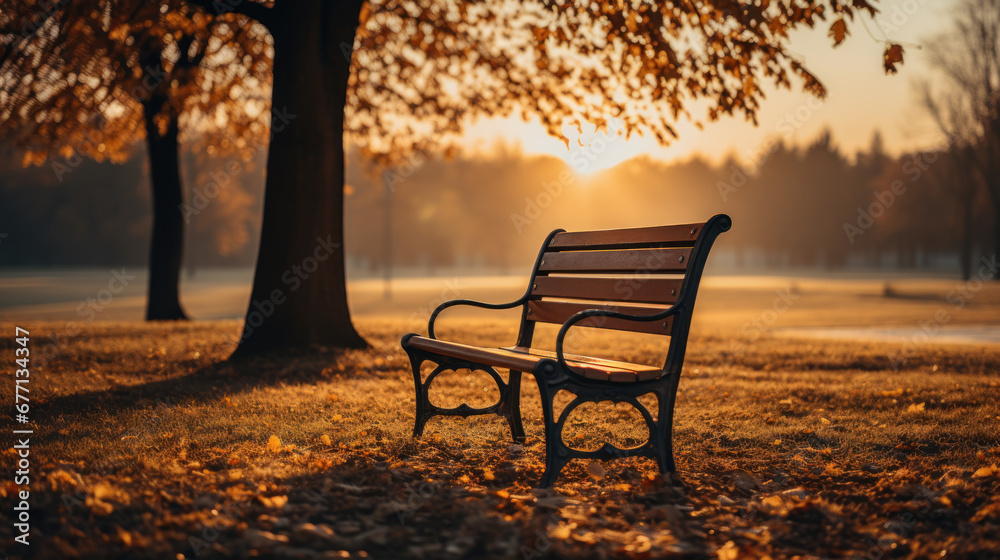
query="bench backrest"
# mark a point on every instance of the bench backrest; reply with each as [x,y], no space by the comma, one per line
[636,271]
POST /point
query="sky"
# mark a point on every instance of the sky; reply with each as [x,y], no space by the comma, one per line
[861,99]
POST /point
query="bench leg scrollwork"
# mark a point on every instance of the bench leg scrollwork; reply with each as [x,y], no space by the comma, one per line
[658,446]
[508,406]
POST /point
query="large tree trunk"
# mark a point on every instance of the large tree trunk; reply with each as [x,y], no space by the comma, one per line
[299,295]
[167,245]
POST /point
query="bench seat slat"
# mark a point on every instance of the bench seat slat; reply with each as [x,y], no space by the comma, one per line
[663,236]
[585,359]
[638,289]
[662,261]
[642,372]
[558,311]
[523,359]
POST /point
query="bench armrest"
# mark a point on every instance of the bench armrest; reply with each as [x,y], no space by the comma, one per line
[672,310]
[472,303]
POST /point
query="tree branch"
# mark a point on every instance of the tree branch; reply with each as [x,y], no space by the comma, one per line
[253,10]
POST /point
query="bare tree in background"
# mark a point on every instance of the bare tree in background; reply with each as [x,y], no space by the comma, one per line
[961,178]
[968,55]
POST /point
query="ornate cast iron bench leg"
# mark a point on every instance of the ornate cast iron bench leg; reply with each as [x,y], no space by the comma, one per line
[508,405]
[557,454]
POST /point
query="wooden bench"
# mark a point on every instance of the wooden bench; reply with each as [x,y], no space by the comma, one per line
[640,280]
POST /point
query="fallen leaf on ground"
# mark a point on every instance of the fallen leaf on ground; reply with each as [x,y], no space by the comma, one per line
[274,501]
[915,408]
[985,471]
[596,470]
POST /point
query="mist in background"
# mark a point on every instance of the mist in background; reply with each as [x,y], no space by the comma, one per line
[801,206]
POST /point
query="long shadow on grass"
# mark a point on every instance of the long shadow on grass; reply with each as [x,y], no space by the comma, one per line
[206,384]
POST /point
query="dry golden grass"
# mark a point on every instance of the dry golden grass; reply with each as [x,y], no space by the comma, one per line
[149,445]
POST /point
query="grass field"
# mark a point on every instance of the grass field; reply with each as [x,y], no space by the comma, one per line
[148,444]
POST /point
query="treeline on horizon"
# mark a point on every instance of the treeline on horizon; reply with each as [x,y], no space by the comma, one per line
[802,206]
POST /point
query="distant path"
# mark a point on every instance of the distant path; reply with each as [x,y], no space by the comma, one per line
[945,334]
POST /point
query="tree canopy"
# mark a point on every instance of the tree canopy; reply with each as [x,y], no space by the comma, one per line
[420,69]
[647,64]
